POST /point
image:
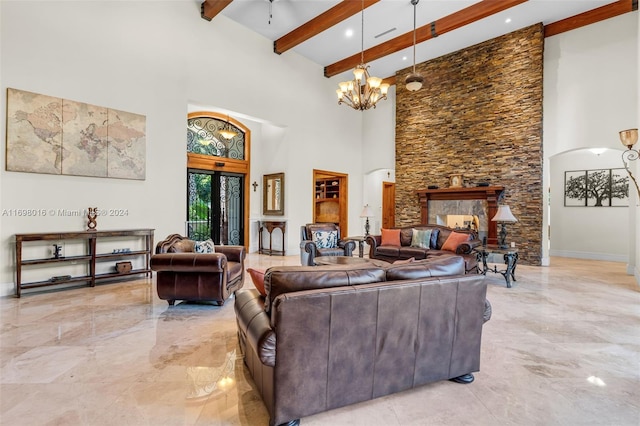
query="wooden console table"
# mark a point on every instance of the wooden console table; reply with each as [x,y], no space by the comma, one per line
[89,256]
[270,225]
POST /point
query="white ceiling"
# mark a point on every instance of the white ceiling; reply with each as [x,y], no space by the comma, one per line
[333,45]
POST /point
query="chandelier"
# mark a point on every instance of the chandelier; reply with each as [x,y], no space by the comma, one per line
[364,91]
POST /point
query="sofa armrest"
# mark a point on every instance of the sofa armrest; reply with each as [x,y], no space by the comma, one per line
[233,253]
[311,248]
[348,246]
[373,241]
[254,323]
[467,246]
[189,262]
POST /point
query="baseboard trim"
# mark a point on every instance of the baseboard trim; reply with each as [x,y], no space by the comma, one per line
[591,256]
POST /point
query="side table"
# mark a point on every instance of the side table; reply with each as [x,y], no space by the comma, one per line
[270,225]
[510,259]
[360,240]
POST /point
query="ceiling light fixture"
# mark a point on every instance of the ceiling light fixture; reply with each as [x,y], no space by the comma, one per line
[354,93]
[414,80]
[226,131]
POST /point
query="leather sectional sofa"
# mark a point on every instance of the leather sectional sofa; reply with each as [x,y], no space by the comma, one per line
[439,234]
[328,336]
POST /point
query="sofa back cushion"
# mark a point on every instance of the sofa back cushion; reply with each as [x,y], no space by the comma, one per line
[183,246]
[439,266]
[285,279]
[312,228]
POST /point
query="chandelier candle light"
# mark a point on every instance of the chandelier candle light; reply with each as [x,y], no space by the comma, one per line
[629,138]
[364,91]
[366,212]
[503,216]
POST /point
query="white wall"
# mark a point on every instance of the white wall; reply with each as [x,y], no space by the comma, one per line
[118,55]
[590,94]
[586,232]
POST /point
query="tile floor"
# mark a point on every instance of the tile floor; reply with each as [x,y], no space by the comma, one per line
[562,348]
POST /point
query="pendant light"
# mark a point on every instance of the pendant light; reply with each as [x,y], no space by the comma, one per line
[414,80]
[226,131]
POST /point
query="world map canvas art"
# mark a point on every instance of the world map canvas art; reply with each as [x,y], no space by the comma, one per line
[60,136]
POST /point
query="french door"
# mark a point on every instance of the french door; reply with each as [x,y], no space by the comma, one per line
[215,207]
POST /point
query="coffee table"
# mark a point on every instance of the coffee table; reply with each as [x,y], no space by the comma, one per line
[348,260]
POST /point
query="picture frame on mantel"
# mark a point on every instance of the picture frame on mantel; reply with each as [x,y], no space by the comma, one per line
[455,181]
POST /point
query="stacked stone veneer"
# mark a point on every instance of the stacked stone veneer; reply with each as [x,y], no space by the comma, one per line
[479,113]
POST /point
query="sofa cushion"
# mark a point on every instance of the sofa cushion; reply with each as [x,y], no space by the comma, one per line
[406,235]
[421,238]
[437,267]
[393,251]
[325,239]
[205,246]
[454,240]
[415,252]
[285,279]
[390,237]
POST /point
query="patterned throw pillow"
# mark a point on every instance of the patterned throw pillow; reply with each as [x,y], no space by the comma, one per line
[420,238]
[205,246]
[325,239]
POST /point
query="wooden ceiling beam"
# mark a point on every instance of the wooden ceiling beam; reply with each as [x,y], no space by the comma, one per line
[590,17]
[320,23]
[458,19]
[210,8]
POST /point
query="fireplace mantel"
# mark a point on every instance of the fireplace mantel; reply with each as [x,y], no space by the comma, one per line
[493,194]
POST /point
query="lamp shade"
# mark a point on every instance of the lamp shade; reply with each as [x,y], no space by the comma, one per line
[629,137]
[504,215]
[366,211]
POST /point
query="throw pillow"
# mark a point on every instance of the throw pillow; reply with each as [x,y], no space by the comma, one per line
[454,240]
[390,237]
[420,238]
[400,262]
[257,276]
[325,239]
[205,246]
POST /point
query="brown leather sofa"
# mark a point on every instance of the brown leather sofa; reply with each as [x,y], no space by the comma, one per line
[183,274]
[439,234]
[329,336]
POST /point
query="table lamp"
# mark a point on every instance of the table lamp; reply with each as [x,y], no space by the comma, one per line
[366,212]
[503,216]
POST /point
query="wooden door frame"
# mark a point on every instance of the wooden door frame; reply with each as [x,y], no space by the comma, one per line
[224,164]
[388,187]
[343,178]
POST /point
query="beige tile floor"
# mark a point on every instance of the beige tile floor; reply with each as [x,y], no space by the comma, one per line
[562,348]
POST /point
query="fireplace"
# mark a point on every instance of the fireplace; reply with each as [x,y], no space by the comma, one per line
[468,207]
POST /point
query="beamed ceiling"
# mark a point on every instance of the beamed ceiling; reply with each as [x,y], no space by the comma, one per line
[317,29]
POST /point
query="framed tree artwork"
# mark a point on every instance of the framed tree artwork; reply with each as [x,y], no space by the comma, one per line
[596,188]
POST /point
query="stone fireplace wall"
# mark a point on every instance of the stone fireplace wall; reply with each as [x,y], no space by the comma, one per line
[479,114]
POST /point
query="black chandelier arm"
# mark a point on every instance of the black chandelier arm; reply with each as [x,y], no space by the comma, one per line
[631,155]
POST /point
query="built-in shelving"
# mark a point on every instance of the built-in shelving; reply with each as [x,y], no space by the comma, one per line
[89,258]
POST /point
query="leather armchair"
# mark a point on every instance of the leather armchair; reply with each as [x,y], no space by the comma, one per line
[314,237]
[183,274]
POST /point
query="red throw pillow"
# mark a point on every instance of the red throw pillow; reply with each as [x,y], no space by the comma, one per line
[257,276]
[390,237]
[454,240]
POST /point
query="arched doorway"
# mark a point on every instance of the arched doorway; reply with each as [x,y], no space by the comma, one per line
[217,184]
